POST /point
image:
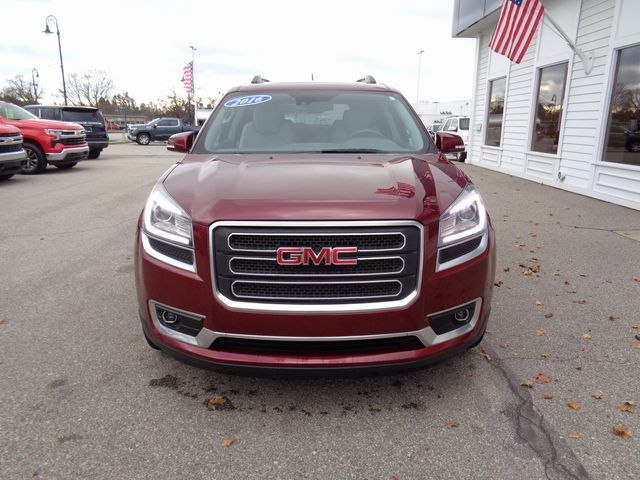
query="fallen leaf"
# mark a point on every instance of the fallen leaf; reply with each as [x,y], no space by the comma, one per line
[520,246]
[540,333]
[539,303]
[627,406]
[586,336]
[622,432]
[547,396]
[583,274]
[2,322]
[542,378]
[636,346]
[573,405]
[612,318]
[452,424]
[548,315]
[544,355]
[484,353]
[636,279]
[515,354]
[219,402]
[637,337]
[526,383]
[394,477]
[227,442]
[499,283]
[506,269]
[582,301]
[574,436]
[597,395]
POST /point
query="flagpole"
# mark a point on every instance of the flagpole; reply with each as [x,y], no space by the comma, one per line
[587,58]
[193,84]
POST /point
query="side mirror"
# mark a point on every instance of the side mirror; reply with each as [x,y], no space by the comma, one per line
[155,125]
[449,142]
[181,142]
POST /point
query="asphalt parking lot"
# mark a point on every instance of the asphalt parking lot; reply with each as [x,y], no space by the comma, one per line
[83,396]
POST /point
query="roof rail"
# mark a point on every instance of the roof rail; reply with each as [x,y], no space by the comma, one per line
[368,79]
[258,79]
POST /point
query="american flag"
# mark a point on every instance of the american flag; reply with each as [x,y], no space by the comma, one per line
[518,22]
[187,78]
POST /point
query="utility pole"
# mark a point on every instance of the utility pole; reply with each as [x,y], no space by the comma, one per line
[419,72]
[34,75]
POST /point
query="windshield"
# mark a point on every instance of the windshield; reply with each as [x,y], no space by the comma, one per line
[13,112]
[313,122]
[82,116]
[464,124]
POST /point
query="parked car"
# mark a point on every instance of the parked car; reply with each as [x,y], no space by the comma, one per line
[113,126]
[313,227]
[61,144]
[158,129]
[89,117]
[460,126]
[632,141]
[12,155]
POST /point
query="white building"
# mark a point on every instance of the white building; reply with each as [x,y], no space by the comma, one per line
[549,120]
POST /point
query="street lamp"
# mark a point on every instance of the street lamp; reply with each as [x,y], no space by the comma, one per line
[51,20]
[419,72]
[34,75]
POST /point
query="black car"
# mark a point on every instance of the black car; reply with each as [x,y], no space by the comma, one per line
[89,117]
[632,142]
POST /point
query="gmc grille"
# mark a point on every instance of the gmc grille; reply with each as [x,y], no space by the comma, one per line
[245,264]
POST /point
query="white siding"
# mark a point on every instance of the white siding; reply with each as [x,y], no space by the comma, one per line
[578,166]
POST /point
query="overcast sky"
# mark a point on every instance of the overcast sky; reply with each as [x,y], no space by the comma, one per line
[143,45]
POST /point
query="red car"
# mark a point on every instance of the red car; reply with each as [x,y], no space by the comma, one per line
[12,155]
[61,144]
[314,227]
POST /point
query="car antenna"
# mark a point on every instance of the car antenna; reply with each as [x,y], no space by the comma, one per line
[368,79]
[258,79]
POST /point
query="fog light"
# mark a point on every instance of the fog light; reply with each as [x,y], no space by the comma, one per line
[169,317]
[462,315]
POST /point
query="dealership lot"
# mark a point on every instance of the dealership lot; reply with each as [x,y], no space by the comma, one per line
[84,397]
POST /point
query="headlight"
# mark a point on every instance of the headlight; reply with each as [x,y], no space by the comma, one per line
[465,218]
[164,218]
[54,133]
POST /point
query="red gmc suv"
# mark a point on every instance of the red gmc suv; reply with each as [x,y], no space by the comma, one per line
[313,227]
[62,144]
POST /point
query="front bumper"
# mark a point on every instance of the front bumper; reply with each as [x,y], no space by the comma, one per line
[12,163]
[159,283]
[68,154]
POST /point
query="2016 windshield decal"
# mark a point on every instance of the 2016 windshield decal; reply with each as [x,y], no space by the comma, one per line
[246,101]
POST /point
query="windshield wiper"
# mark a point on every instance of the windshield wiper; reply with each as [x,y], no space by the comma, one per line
[351,150]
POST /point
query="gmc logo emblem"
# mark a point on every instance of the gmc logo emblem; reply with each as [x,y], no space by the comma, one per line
[307,256]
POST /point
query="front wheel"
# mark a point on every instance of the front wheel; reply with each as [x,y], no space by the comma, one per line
[462,157]
[67,166]
[93,154]
[36,161]
[634,147]
[143,139]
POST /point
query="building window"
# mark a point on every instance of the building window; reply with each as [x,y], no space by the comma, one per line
[495,115]
[546,129]
[623,134]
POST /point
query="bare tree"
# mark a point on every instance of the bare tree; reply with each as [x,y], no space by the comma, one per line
[89,88]
[20,91]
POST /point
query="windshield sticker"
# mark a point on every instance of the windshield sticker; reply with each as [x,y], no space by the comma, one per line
[246,101]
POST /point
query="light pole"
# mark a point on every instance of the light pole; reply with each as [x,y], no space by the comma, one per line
[193,84]
[419,72]
[50,21]
[34,75]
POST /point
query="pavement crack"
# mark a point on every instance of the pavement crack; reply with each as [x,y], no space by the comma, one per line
[559,460]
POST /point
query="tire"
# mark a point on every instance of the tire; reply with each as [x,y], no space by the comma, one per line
[462,157]
[5,177]
[143,139]
[67,166]
[634,147]
[93,154]
[36,161]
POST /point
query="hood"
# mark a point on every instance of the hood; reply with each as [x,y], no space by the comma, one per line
[313,187]
[38,123]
